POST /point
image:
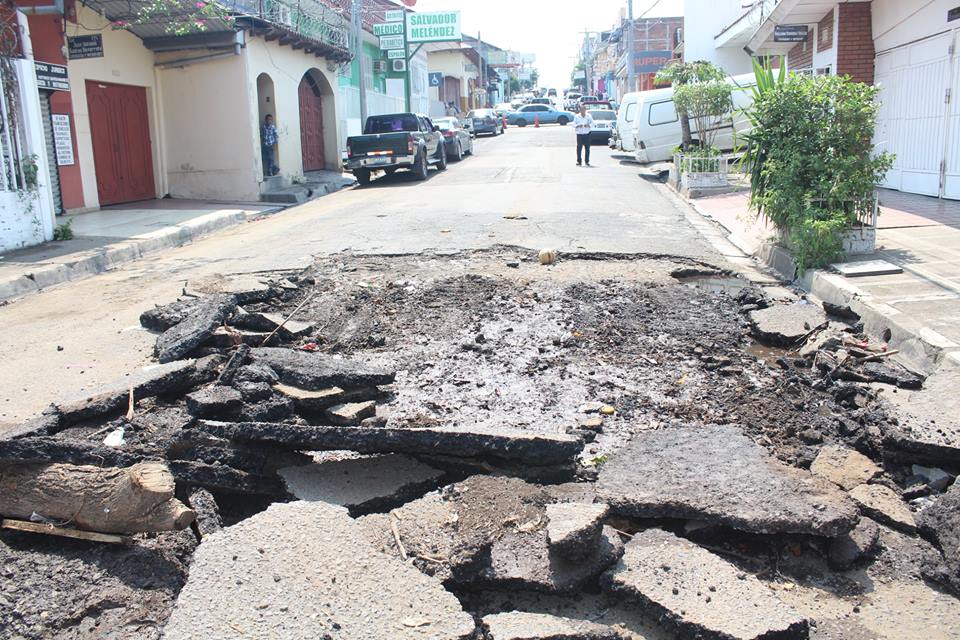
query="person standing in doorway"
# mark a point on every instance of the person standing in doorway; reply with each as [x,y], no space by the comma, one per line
[582,123]
[452,110]
[268,143]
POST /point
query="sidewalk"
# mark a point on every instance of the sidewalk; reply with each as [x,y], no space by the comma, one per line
[115,235]
[920,307]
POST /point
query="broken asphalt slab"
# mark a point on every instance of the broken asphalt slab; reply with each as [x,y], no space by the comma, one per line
[362,485]
[573,528]
[304,570]
[844,467]
[520,625]
[717,474]
[786,324]
[507,444]
[314,372]
[884,505]
[698,594]
[941,523]
[191,332]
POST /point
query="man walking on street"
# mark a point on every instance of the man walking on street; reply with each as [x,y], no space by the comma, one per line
[582,123]
[268,140]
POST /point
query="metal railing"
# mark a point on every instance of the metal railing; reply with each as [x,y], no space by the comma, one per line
[307,18]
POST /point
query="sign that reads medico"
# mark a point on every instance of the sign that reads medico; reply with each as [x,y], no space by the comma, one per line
[439,26]
[388,29]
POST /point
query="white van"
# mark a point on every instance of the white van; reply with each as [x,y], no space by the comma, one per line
[622,138]
[656,127]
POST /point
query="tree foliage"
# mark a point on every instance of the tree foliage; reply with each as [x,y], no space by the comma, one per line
[812,165]
[687,73]
[707,104]
[179,17]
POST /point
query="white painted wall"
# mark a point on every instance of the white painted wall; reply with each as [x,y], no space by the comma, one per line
[450,63]
[286,67]
[27,218]
[896,22]
[702,21]
[209,133]
[125,61]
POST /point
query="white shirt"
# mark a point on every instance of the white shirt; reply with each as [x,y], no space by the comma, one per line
[582,124]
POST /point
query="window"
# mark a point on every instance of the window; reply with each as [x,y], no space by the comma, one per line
[391,123]
[662,113]
[631,112]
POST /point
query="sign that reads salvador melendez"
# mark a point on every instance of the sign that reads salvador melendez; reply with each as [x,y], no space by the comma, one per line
[388,29]
[439,26]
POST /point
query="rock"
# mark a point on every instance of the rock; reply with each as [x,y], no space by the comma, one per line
[254,391]
[573,529]
[316,371]
[362,485]
[738,484]
[592,424]
[247,288]
[811,436]
[182,338]
[276,408]
[844,467]
[936,479]
[520,625]
[237,359]
[304,570]
[208,519]
[572,492]
[941,523]
[841,311]
[698,594]
[217,401]
[351,413]
[311,401]
[170,378]
[591,407]
[529,447]
[786,324]
[883,505]
[848,549]
[891,373]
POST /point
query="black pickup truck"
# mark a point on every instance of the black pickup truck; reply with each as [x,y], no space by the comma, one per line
[396,141]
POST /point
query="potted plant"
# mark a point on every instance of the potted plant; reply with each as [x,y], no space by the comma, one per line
[812,166]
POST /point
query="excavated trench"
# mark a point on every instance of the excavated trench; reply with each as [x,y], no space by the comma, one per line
[604,348]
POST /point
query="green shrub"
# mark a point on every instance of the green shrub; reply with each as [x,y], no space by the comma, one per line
[811,160]
[64,230]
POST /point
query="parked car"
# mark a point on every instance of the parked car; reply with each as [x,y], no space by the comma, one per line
[604,120]
[396,141]
[571,100]
[504,108]
[656,128]
[458,140]
[597,104]
[541,101]
[530,113]
[485,121]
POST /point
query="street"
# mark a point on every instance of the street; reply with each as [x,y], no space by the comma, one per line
[522,188]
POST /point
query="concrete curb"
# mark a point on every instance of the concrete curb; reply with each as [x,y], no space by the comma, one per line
[88,263]
[921,348]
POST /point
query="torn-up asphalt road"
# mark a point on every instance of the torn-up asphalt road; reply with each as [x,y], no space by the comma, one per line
[595,449]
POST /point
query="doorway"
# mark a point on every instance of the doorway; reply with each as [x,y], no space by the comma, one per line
[311,123]
[122,152]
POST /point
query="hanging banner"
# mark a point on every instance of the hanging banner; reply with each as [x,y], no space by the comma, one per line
[438,26]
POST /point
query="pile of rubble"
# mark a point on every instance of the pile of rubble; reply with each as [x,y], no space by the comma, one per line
[293,468]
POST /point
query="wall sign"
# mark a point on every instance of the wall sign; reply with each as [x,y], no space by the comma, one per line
[651,61]
[790,33]
[394,15]
[391,42]
[396,54]
[439,26]
[436,79]
[953,14]
[388,29]
[62,139]
[81,47]
[51,76]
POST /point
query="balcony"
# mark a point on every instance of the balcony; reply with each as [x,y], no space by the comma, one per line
[306,24]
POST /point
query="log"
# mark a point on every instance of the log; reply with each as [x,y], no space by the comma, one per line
[137,499]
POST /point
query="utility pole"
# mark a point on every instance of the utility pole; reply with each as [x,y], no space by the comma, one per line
[631,76]
[483,87]
[357,24]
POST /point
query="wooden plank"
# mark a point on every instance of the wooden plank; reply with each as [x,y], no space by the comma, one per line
[76,534]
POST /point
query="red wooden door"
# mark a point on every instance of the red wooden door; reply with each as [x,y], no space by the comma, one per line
[311,125]
[122,154]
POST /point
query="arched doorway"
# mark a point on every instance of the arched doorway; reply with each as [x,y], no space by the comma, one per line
[266,105]
[312,89]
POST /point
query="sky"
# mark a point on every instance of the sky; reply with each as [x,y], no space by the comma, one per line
[551,29]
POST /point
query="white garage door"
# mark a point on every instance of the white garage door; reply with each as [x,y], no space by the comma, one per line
[915,120]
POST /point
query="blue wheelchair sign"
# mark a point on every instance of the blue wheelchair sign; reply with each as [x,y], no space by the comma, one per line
[436,79]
